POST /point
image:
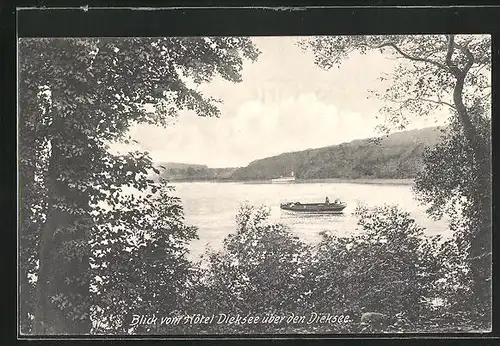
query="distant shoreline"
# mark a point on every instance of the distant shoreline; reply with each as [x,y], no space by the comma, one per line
[375,181]
[408,181]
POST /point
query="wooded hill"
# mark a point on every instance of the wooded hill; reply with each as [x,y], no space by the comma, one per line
[397,156]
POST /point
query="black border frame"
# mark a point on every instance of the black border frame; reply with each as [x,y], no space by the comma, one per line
[261,20]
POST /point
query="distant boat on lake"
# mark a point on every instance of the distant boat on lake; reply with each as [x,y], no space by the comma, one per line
[282,179]
[326,207]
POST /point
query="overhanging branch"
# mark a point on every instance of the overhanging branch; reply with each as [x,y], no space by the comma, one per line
[413,99]
[406,55]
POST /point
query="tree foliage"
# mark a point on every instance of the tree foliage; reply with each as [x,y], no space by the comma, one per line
[76,96]
[389,267]
[139,260]
[439,71]
[426,78]
[452,184]
[450,174]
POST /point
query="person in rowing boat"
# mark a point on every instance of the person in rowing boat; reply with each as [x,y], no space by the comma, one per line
[327,201]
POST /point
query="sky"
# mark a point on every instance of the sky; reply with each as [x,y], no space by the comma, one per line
[284,103]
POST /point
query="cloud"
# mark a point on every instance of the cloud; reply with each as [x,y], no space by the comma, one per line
[284,103]
[294,124]
[257,129]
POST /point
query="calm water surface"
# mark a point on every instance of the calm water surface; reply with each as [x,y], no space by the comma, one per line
[213,207]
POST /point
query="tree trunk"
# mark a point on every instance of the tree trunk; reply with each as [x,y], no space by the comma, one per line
[27,236]
[62,293]
[480,243]
[30,194]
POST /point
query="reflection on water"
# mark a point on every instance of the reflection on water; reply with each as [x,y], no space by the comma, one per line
[286,214]
[293,218]
[213,207]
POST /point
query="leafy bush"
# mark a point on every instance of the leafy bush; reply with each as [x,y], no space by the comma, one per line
[261,270]
[389,267]
[389,272]
[139,262]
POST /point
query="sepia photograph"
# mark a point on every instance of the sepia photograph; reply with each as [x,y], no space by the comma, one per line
[249,185]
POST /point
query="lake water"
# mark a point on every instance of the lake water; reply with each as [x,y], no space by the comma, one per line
[213,207]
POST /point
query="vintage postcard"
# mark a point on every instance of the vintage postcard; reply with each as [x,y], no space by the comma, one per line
[248,185]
